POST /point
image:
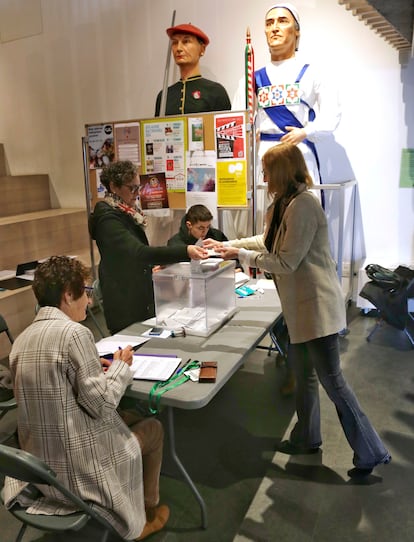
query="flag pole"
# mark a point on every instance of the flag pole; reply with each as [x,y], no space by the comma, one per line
[166,73]
[249,75]
[250,106]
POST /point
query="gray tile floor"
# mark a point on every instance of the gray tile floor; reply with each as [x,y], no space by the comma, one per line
[253,494]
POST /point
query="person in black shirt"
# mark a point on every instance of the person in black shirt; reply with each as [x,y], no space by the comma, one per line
[195,225]
[192,93]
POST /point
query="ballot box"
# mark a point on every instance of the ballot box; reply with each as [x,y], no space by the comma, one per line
[197,296]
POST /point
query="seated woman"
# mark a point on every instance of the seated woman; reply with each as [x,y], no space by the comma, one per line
[67,412]
[125,269]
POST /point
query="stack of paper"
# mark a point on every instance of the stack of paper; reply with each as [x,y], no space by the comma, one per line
[154,367]
[111,344]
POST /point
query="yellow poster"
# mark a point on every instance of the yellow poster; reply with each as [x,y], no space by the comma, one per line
[231,183]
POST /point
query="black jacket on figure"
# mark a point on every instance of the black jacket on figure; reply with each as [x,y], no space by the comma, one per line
[195,95]
[125,268]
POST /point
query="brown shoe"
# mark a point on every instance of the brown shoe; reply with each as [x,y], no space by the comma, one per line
[159,517]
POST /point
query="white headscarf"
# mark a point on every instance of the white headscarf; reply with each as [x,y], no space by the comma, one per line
[294,12]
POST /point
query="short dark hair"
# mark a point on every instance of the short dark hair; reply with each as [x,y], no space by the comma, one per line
[198,213]
[119,173]
[59,274]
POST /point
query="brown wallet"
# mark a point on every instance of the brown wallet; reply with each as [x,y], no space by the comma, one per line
[208,371]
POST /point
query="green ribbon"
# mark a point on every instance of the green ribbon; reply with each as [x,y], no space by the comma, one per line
[159,388]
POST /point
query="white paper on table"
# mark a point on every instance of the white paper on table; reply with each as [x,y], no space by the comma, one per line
[153,367]
[240,278]
[111,344]
[265,284]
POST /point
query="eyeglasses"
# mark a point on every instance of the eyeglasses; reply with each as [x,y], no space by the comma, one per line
[133,188]
[89,291]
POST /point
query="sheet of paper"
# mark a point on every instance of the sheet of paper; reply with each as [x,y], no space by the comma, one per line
[265,284]
[240,278]
[148,367]
[111,344]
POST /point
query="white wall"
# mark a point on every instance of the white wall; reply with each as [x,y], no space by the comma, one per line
[102,60]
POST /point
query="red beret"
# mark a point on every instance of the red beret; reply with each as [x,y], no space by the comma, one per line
[188,29]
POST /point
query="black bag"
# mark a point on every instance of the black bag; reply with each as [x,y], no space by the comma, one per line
[383,277]
[389,291]
[391,303]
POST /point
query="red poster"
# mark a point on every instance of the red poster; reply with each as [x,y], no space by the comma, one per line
[153,193]
[230,136]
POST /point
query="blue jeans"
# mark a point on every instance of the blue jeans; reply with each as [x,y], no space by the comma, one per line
[319,359]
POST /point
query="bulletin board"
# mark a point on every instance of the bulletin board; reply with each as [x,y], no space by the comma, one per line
[197,154]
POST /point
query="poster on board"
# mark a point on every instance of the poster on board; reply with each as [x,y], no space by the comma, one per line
[153,191]
[230,136]
[164,143]
[101,145]
[128,142]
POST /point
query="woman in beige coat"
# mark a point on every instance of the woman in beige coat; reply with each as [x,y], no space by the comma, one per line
[67,412]
[295,250]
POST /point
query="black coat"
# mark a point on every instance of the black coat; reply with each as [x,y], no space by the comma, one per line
[184,238]
[201,95]
[125,269]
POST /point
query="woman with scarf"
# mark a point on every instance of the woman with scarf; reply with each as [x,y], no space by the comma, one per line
[125,268]
[295,250]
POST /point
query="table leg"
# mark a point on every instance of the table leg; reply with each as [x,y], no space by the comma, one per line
[181,468]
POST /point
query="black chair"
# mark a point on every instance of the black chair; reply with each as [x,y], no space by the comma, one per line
[97,305]
[28,468]
[8,403]
[391,301]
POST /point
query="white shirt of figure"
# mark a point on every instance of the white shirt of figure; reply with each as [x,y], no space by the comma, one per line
[315,90]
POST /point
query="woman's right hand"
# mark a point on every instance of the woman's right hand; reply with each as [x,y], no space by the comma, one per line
[125,355]
[197,253]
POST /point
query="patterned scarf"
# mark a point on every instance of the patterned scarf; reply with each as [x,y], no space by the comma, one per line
[117,203]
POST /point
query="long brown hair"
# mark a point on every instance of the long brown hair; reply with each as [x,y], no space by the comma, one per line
[285,170]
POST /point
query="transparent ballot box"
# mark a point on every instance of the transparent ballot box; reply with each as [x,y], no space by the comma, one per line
[196,296]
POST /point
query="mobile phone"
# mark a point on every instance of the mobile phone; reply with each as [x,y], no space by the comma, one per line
[155,331]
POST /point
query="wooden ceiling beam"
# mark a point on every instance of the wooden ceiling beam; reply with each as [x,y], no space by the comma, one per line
[365,12]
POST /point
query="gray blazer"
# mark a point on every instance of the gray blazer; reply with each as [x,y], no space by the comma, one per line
[303,270]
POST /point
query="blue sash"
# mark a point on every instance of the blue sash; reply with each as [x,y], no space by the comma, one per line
[282,116]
